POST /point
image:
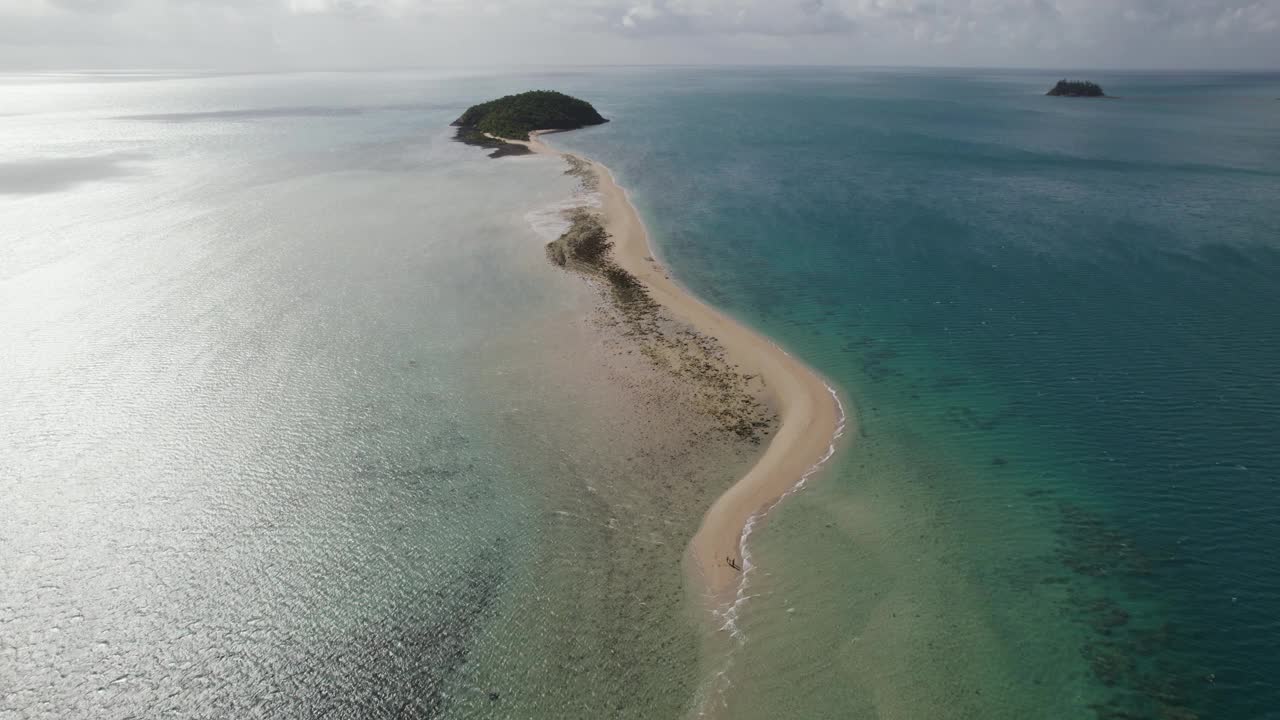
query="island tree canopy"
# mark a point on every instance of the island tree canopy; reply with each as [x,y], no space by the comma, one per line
[1076,88]
[514,116]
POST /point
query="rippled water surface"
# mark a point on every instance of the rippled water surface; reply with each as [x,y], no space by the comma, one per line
[1056,320]
[295,422]
[291,422]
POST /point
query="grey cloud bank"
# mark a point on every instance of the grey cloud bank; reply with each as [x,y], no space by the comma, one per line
[306,34]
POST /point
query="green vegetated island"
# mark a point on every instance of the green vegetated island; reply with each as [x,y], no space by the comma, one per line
[1076,88]
[513,117]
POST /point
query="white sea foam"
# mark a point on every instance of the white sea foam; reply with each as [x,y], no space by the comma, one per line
[552,221]
[731,612]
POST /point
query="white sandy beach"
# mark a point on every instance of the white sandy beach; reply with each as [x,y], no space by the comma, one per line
[808,412]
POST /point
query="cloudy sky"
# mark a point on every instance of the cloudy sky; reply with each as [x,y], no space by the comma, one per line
[276,34]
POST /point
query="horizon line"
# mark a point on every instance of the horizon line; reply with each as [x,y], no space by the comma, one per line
[516,68]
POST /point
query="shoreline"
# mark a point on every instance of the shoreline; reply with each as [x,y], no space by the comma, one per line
[810,414]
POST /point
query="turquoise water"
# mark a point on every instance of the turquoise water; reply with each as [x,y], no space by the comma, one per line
[297,422]
[1056,321]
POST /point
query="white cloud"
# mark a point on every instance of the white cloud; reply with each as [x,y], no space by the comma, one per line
[639,15]
[318,33]
[764,17]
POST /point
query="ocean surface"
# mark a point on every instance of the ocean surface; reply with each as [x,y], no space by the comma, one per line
[288,431]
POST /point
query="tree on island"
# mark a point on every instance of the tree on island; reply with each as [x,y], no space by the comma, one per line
[513,117]
[1076,88]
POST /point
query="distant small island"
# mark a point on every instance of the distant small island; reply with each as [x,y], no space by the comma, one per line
[513,117]
[1076,88]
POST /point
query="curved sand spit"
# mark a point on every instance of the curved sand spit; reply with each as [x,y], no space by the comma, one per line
[809,413]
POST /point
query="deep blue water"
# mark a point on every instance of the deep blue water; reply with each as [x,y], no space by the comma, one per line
[1099,278]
